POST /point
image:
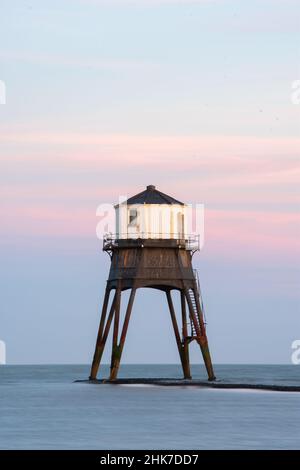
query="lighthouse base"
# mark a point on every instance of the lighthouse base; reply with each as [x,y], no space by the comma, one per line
[165,382]
[167,269]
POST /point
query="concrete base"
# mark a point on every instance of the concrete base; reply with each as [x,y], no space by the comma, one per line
[193,382]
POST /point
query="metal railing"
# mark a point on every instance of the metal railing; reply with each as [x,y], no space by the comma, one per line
[196,275]
[114,240]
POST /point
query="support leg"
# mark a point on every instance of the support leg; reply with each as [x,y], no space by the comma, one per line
[203,342]
[102,336]
[186,372]
[119,349]
[103,314]
[201,333]
[186,357]
[114,351]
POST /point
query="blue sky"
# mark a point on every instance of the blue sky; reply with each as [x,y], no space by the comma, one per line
[104,98]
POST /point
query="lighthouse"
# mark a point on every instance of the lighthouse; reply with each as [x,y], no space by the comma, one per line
[152,249]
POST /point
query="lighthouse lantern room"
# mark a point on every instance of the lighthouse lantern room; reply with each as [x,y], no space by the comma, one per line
[151,214]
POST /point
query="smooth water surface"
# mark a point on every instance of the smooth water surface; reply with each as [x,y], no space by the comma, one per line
[41,408]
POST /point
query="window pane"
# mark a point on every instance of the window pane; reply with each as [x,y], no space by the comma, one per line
[132,216]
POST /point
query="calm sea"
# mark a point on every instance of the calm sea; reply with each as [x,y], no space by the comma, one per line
[41,408]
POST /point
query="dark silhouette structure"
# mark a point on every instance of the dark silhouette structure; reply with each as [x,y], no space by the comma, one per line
[152,260]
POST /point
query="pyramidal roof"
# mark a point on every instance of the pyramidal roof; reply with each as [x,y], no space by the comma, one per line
[152,196]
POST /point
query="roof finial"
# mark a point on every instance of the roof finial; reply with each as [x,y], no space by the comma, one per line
[151,187]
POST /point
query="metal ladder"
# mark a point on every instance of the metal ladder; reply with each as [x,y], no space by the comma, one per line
[200,295]
[192,294]
[194,304]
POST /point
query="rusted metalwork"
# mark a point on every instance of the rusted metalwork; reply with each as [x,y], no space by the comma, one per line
[201,338]
[185,339]
[158,264]
[180,343]
[114,353]
[102,340]
[103,314]
[158,240]
[119,348]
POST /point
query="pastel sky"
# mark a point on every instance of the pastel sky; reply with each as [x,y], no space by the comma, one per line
[105,97]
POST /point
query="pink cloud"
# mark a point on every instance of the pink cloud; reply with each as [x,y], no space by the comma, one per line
[210,169]
[48,221]
[224,156]
[250,173]
[206,169]
[233,234]
[139,148]
[253,233]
